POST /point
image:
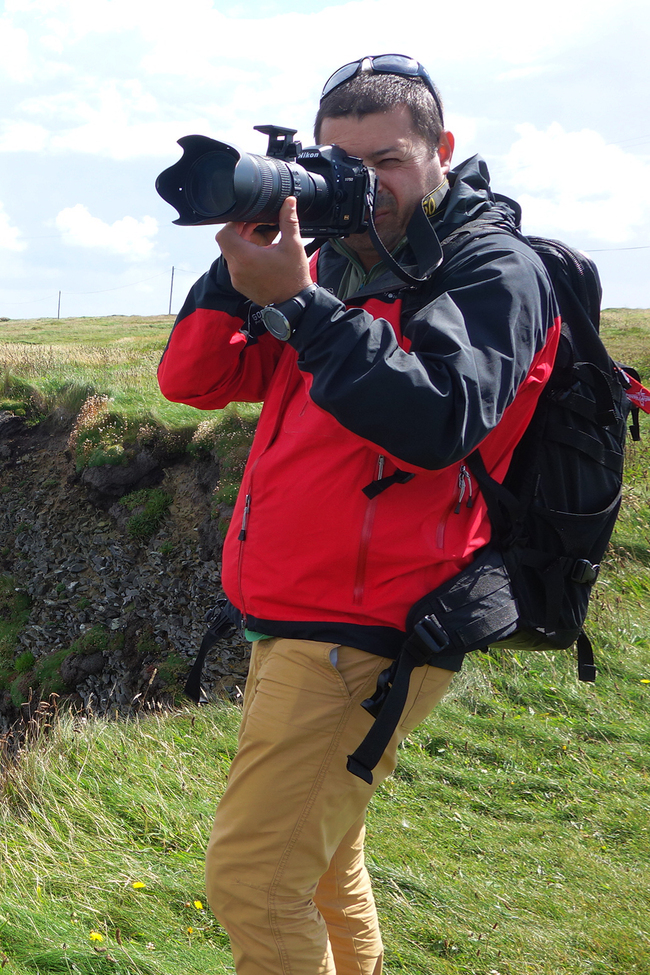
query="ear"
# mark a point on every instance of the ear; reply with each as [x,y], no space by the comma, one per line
[446,150]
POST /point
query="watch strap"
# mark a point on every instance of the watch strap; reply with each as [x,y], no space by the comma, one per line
[286,313]
[295,306]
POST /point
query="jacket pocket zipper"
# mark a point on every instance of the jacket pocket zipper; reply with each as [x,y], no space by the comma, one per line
[464,487]
[464,484]
[244,521]
[242,539]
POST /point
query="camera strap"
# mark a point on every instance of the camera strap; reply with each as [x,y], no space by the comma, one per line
[424,243]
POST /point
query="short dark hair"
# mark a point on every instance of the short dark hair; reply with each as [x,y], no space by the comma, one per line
[368,93]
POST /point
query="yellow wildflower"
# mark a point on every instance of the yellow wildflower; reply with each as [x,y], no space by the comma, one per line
[96,936]
[138,885]
[198,905]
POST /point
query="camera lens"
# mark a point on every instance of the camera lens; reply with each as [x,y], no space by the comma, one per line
[210,187]
[215,182]
[250,189]
[261,186]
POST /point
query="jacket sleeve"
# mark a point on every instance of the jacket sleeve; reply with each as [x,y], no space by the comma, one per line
[469,348]
[209,362]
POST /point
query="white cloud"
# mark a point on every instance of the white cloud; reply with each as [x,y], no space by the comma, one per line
[111,80]
[128,236]
[111,99]
[577,182]
[258,46]
[203,38]
[70,20]
[18,136]
[117,119]
[115,141]
[527,71]
[9,236]
[14,44]
[185,59]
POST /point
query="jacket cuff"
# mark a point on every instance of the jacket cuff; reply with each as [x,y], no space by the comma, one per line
[321,308]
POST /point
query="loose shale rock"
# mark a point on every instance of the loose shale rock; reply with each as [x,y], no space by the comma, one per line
[64,540]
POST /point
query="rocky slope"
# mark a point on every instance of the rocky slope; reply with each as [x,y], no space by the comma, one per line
[113,620]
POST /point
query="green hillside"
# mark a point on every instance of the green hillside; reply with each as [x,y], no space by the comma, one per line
[513,839]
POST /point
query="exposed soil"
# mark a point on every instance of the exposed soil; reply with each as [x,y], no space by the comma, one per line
[114,620]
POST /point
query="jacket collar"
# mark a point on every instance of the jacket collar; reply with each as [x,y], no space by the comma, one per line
[469,197]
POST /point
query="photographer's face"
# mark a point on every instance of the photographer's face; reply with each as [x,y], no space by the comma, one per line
[405,166]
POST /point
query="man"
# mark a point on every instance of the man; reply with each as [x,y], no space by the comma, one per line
[380,386]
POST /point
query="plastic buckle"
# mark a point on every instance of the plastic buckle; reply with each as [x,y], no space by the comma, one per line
[215,612]
[587,673]
[375,703]
[584,572]
[431,634]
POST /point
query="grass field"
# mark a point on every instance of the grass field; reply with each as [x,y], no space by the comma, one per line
[102,371]
[64,361]
[513,839]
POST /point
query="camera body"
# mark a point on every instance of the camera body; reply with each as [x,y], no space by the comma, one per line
[215,182]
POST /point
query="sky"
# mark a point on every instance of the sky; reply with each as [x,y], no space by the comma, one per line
[95,93]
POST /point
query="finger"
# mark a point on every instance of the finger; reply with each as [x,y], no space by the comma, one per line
[289,224]
[259,233]
[229,235]
[232,235]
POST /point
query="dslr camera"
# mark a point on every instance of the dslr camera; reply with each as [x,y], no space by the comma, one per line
[215,182]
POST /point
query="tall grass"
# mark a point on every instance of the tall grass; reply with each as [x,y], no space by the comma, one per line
[64,376]
[513,838]
[103,372]
[103,826]
[46,364]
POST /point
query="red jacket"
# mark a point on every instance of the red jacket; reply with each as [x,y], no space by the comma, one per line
[361,392]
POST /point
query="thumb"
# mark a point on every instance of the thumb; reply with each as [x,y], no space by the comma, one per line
[288,218]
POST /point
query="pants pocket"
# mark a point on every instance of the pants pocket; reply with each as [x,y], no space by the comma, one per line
[357,670]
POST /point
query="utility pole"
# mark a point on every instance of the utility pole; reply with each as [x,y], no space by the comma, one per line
[171,292]
[58,309]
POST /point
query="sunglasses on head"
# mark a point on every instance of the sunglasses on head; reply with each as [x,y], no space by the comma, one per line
[398,64]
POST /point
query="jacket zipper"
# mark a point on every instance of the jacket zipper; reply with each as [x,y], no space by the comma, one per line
[366,535]
[249,498]
[244,521]
[464,487]
[242,539]
[464,484]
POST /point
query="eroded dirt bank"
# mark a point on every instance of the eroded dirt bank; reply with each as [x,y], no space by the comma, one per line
[113,619]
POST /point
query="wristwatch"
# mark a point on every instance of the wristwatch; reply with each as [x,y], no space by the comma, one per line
[280,320]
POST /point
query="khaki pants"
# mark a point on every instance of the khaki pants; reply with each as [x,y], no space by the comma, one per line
[285,872]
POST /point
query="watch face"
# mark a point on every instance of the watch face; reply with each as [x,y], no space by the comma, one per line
[276,323]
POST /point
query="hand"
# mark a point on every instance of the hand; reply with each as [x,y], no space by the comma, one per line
[262,270]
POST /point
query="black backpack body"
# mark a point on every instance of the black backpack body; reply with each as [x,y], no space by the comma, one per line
[554,514]
[552,518]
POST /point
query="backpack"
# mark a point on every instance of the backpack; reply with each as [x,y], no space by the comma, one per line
[551,519]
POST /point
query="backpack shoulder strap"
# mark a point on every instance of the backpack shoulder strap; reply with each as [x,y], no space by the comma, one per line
[485,225]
